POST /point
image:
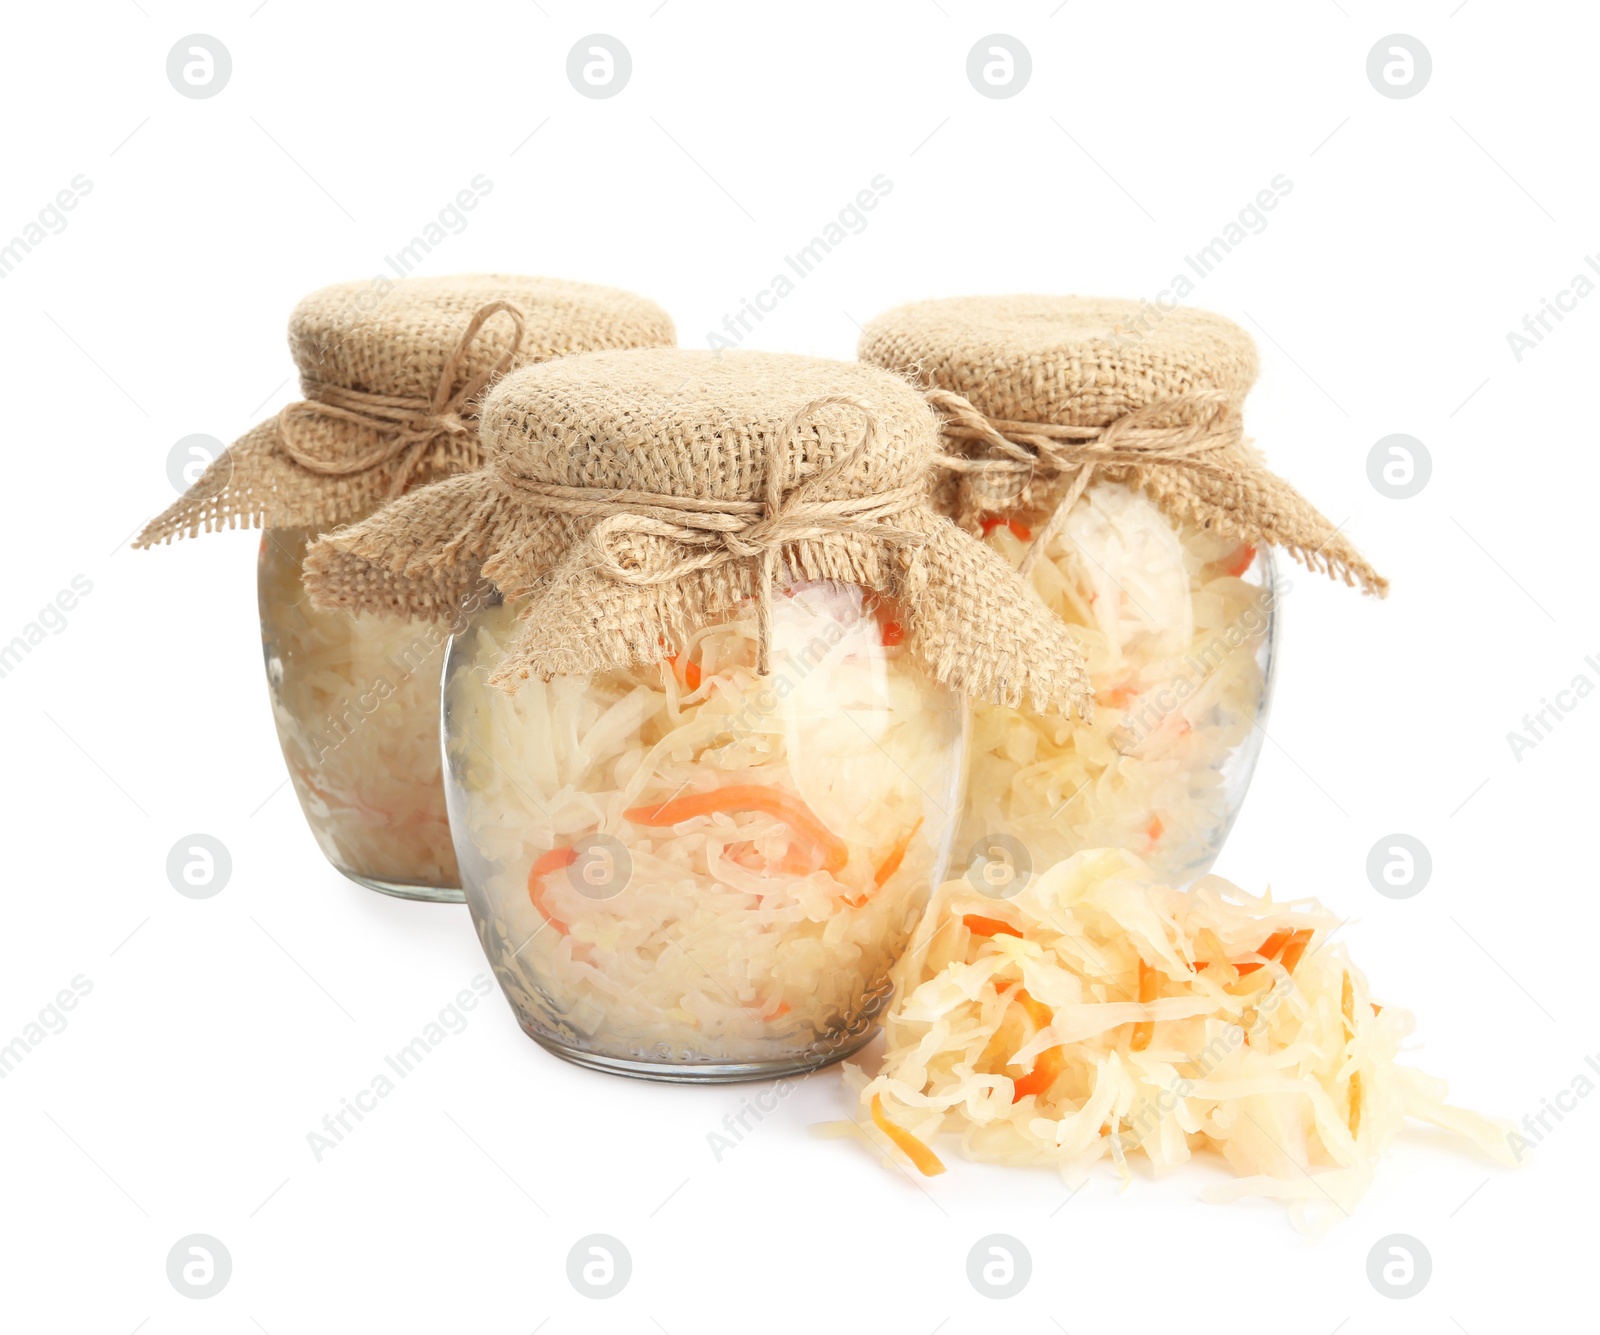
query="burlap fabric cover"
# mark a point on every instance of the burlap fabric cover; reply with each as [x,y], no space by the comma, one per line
[391,380]
[628,497]
[1042,395]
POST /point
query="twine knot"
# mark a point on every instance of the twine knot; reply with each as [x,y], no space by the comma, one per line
[1177,432]
[411,425]
[709,534]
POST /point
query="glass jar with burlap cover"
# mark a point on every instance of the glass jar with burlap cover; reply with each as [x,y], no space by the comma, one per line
[704,746]
[392,374]
[1101,450]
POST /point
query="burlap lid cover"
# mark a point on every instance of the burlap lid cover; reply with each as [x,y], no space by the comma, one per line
[1041,395]
[391,375]
[630,496]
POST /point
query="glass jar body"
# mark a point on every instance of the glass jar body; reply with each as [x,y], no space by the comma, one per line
[692,872]
[356,702]
[1178,628]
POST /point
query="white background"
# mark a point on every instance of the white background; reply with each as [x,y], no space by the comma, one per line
[219,1032]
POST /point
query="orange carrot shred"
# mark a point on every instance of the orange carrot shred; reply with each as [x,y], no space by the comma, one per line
[1295,949]
[886,869]
[1292,944]
[801,820]
[978,925]
[923,1159]
[1046,1067]
[1149,985]
[1347,1006]
[891,631]
[897,855]
[1041,1015]
[1273,944]
[1269,949]
[543,865]
[1018,529]
[1049,1063]
[1239,562]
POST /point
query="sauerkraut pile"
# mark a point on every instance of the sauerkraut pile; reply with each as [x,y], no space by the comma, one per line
[356,699]
[1097,1014]
[690,863]
[1173,630]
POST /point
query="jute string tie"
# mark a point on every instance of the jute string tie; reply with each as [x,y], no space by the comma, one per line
[1179,431]
[412,425]
[716,533]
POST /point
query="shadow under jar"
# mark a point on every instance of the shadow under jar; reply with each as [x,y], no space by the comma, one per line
[355,697]
[687,871]
[1178,629]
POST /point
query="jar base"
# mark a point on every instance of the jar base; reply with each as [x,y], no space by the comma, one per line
[427,894]
[697,1073]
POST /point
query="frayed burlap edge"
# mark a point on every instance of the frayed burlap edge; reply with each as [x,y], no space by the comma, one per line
[1257,506]
[252,484]
[1201,471]
[341,451]
[969,621]
[422,554]
[1254,506]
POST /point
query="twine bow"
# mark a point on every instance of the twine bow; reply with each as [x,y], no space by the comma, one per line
[411,425]
[1179,431]
[715,533]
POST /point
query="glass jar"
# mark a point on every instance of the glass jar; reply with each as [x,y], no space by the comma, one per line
[691,872]
[1178,628]
[356,701]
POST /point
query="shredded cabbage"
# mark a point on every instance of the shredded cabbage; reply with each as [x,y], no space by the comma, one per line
[1099,1014]
[690,865]
[1175,629]
[356,699]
